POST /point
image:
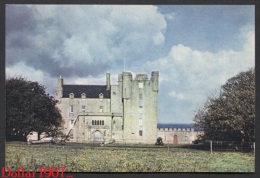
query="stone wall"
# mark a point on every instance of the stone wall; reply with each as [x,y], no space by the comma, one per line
[178,135]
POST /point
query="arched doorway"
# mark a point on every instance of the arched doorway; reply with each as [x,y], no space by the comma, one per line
[175,139]
[97,136]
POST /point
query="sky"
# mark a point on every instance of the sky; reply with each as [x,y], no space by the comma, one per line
[194,48]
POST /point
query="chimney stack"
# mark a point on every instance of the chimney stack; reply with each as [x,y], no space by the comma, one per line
[108,81]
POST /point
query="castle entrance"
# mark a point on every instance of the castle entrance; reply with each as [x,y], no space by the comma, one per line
[97,136]
[175,139]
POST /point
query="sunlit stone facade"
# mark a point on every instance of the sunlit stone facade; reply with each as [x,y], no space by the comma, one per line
[125,112]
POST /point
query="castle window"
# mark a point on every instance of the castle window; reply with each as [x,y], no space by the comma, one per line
[83,108]
[140,96]
[141,85]
[83,95]
[140,133]
[71,108]
[71,95]
[100,108]
[97,122]
[101,96]
[114,93]
[71,134]
[140,122]
[71,122]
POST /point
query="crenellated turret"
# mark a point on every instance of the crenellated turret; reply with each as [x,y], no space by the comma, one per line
[141,77]
[108,81]
[60,82]
[127,85]
[59,89]
[155,80]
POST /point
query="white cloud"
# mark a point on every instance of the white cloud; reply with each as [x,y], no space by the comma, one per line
[178,96]
[31,74]
[199,74]
[158,39]
[90,80]
[86,35]
[169,16]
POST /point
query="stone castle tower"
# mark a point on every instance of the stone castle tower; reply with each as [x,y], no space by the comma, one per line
[125,112]
[139,106]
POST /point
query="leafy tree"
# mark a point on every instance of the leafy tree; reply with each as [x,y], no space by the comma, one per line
[29,108]
[231,115]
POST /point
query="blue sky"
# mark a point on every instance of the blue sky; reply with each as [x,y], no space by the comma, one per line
[195,48]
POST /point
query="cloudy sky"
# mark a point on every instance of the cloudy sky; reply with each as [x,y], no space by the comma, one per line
[194,48]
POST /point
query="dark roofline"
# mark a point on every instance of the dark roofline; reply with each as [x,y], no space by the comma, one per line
[91,91]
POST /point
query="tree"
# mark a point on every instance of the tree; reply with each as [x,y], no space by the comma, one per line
[29,108]
[230,115]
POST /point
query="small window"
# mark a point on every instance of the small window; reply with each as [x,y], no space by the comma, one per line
[71,95]
[71,133]
[101,96]
[100,108]
[71,122]
[93,123]
[97,122]
[71,108]
[140,122]
[114,93]
[102,122]
[83,108]
[83,95]
[140,96]
[140,132]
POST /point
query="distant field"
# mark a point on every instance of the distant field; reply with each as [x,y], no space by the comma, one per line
[111,159]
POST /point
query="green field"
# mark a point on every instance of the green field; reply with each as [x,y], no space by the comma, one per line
[111,159]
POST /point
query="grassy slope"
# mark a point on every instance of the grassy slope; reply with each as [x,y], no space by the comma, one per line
[126,160]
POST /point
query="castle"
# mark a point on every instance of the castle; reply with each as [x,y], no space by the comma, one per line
[125,112]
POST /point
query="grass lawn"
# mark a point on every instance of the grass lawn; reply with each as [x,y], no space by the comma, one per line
[109,159]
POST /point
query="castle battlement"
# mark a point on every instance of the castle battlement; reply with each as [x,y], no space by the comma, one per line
[175,129]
